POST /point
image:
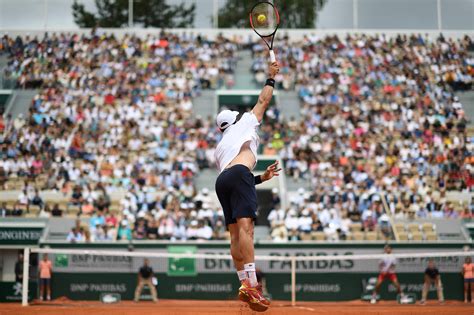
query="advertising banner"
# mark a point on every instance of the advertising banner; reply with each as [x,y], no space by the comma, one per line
[86,277]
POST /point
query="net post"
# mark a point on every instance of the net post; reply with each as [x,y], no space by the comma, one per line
[293,281]
[26,276]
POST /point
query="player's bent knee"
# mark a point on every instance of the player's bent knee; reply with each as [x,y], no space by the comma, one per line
[246,226]
[248,231]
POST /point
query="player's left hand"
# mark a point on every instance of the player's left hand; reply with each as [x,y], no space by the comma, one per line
[271,171]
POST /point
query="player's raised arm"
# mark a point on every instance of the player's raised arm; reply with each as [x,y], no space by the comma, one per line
[266,95]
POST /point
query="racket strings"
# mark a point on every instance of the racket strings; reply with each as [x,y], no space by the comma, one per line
[264,19]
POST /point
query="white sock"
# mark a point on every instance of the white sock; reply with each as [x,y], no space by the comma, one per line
[242,275]
[251,274]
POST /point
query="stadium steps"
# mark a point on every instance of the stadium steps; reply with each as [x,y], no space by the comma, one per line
[206,179]
[20,102]
[289,104]
[58,228]
[3,61]
[294,185]
[244,79]
[3,64]
[467,100]
[204,105]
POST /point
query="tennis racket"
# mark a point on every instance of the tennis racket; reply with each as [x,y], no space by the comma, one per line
[265,20]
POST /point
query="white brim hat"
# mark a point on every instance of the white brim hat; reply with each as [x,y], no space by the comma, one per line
[226,118]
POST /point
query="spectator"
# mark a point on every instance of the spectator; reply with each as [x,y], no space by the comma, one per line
[370,221]
[305,221]
[4,212]
[140,230]
[111,220]
[166,226]
[107,234]
[276,215]
[124,231]
[75,236]
[275,198]
[152,230]
[56,212]
[192,232]
[204,231]
[45,271]
[17,211]
[219,232]
[44,212]
[280,232]
[98,233]
[37,200]
[76,197]
[96,220]
[23,201]
[385,227]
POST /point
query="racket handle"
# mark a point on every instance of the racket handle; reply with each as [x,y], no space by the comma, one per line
[272,56]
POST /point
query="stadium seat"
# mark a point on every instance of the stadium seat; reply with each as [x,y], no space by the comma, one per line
[114,208]
[413,227]
[431,237]
[416,236]
[34,209]
[371,236]
[399,227]
[66,207]
[403,236]
[357,236]
[427,227]
[318,236]
[11,204]
[305,237]
[355,227]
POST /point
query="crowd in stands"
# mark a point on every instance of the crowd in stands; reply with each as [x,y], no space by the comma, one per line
[114,114]
[172,218]
[379,115]
[110,110]
[378,120]
[332,214]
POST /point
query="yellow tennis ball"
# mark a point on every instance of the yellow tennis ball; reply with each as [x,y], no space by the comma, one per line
[261,18]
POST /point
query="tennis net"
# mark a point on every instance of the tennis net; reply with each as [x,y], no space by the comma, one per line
[189,272]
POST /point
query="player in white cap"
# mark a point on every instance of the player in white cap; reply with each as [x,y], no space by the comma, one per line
[236,156]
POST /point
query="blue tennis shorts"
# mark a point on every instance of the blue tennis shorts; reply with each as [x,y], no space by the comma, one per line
[468,280]
[45,281]
[235,188]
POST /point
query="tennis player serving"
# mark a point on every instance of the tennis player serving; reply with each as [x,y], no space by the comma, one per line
[236,156]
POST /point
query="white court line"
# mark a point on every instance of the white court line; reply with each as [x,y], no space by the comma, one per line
[306,308]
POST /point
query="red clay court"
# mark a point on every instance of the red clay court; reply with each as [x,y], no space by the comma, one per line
[191,307]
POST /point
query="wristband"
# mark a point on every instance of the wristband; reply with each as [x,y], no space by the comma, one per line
[258,179]
[270,82]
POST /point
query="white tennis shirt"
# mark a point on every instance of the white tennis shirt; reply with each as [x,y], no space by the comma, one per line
[234,137]
[388,263]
